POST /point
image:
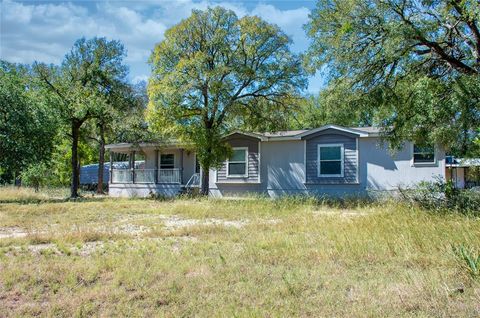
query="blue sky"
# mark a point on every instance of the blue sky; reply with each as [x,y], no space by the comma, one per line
[45,30]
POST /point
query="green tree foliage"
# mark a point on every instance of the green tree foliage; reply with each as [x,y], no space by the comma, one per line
[82,86]
[416,62]
[212,68]
[133,127]
[337,104]
[60,162]
[36,175]
[27,123]
[122,100]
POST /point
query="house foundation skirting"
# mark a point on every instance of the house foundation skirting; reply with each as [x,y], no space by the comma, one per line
[143,190]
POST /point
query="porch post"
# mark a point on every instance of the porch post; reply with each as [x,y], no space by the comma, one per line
[111,166]
[181,166]
[133,166]
[156,165]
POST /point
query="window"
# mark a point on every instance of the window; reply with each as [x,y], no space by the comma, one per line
[423,154]
[197,165]
[167,161]
[237,165]
[139,160]
[330,160]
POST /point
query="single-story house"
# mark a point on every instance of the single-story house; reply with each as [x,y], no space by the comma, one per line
[329,160]
[460,172]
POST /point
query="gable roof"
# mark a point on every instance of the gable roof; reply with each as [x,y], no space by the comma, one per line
[261,136]
[335,127]
[284,133]
[299,134]
[249,134]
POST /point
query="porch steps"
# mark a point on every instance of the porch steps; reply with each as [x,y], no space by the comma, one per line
[192,186]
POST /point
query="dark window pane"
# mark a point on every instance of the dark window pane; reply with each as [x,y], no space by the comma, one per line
[330,153]
[197,165]
[330,167]
[425,157]
[238,155]
[424,149]
[167,161]
[236,168]
[423,153]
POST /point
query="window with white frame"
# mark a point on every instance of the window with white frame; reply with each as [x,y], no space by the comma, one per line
[330,160]
[167,161]
[237,165]
[197,165]
[423,154]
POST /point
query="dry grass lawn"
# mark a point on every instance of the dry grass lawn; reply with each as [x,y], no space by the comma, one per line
[214,258]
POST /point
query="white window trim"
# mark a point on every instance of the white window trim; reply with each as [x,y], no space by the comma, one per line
[342,161]
[246,164]
[433,163]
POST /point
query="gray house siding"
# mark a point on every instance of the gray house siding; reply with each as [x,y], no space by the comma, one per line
[381,169]
[331,136]
[283,170]
[283,165]
[238,140]
[188,165]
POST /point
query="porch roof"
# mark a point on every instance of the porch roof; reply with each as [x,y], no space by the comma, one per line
[125,146]
[453,162]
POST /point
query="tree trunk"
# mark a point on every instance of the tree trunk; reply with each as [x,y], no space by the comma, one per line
[101,160]
[205,180]
[75,170]
[206,164]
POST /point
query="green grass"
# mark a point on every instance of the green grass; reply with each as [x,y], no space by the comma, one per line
[200,257]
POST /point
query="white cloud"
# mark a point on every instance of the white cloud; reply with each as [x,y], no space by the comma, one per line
[46,31]
[290,21]
[140,78]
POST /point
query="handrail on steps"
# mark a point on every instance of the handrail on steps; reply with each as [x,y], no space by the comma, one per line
[194,181]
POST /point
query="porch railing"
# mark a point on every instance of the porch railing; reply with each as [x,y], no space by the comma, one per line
[146,175]
[169,176]
[122,175]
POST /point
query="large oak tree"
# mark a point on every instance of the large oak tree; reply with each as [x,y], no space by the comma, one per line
[214,67]
[83,86]
[418,62]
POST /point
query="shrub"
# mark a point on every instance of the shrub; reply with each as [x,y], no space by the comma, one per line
[443,196]
[36,175]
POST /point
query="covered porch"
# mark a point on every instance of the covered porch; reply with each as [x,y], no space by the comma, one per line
[145,169]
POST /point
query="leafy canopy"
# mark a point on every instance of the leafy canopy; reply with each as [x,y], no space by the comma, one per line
[416,63]
[27,122]
[213,68]
[378,41]
[87,85]
[86,78]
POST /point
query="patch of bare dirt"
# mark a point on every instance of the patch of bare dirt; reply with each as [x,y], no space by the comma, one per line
[174,222]
[12,232]
[11,300]
[344,213]
[200,271]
